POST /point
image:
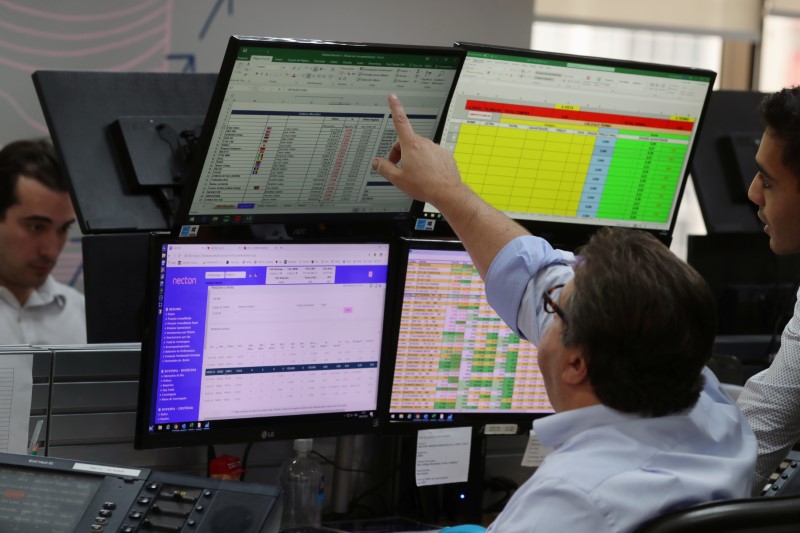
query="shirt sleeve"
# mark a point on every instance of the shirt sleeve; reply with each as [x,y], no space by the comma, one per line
[771,402]
[525,268]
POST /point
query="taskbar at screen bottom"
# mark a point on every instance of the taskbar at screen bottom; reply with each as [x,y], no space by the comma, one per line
[501,422]
[207,432]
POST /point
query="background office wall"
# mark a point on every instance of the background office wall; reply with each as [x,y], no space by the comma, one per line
[190,35]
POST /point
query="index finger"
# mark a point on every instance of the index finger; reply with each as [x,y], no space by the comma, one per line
[401,124]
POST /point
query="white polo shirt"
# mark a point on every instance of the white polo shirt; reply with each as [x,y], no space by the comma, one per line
[54,314]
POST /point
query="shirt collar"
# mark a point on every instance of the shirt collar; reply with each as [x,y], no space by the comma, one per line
[48,292]
[556,429]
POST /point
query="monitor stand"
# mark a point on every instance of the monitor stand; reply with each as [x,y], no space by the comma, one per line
[453,503]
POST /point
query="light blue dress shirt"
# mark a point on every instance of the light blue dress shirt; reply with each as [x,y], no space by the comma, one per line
[611,471]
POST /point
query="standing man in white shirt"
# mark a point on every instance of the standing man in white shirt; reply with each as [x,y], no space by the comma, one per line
[771,399]
[35,217]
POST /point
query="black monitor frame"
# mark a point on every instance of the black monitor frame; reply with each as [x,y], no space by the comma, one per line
[568,234]
[499,422]
[115,285]
[188,215]
[107,125]
[250,429]
[725,162]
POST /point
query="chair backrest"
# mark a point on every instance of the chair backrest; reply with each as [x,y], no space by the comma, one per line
[746,515]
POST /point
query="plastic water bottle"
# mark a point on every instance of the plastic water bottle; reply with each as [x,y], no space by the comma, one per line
[303,489]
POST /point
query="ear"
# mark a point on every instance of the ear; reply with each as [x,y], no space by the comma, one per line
[574,371]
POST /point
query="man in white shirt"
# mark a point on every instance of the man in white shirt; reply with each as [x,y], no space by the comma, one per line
[623,333]
[35,217]
[771,399]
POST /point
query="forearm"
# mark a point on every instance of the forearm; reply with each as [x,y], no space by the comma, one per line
[482,229]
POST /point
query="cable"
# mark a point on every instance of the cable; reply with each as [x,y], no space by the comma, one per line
[244,459]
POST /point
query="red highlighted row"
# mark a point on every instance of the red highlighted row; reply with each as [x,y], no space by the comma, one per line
[604,119]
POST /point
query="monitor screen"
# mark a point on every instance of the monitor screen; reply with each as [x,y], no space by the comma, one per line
[563,142]
[293,127]
[254,341]
[457,362]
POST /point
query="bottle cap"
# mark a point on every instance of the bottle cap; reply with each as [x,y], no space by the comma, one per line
[303,445]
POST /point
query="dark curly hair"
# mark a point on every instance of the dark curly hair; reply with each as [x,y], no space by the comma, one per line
[645,319]
[780,113]
[35,159]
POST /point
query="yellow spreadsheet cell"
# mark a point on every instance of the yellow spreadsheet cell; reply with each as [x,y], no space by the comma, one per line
[512,154]
[545,193]
[536,135]
[465,138]
[549,186]
[496,195]
[504,166]
[530,160]
[482,149]
[494,180]
[551,169]
[510,137]
[477,169]
[474,129]
[462,158]
[559,157]
[479,159]
[523,189]
[541,203]
[560,150]
[531,145]
[564,195]
[485,140]
[521,193]
[527,173]
[518,203]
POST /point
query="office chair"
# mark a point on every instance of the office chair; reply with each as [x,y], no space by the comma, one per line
[746,515]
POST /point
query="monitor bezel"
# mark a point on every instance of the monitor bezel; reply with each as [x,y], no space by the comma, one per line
[569,235]
[217,100]
[256,429]
[497,422]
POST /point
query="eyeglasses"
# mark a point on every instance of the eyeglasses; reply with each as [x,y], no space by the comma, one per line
[550,306]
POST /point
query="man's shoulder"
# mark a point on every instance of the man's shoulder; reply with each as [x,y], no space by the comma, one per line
[54,288]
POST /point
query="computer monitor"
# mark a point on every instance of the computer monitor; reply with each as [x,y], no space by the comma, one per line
[725,162]
[457,363]
[565,144]
[293,126]
[125,140]
[254,341]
